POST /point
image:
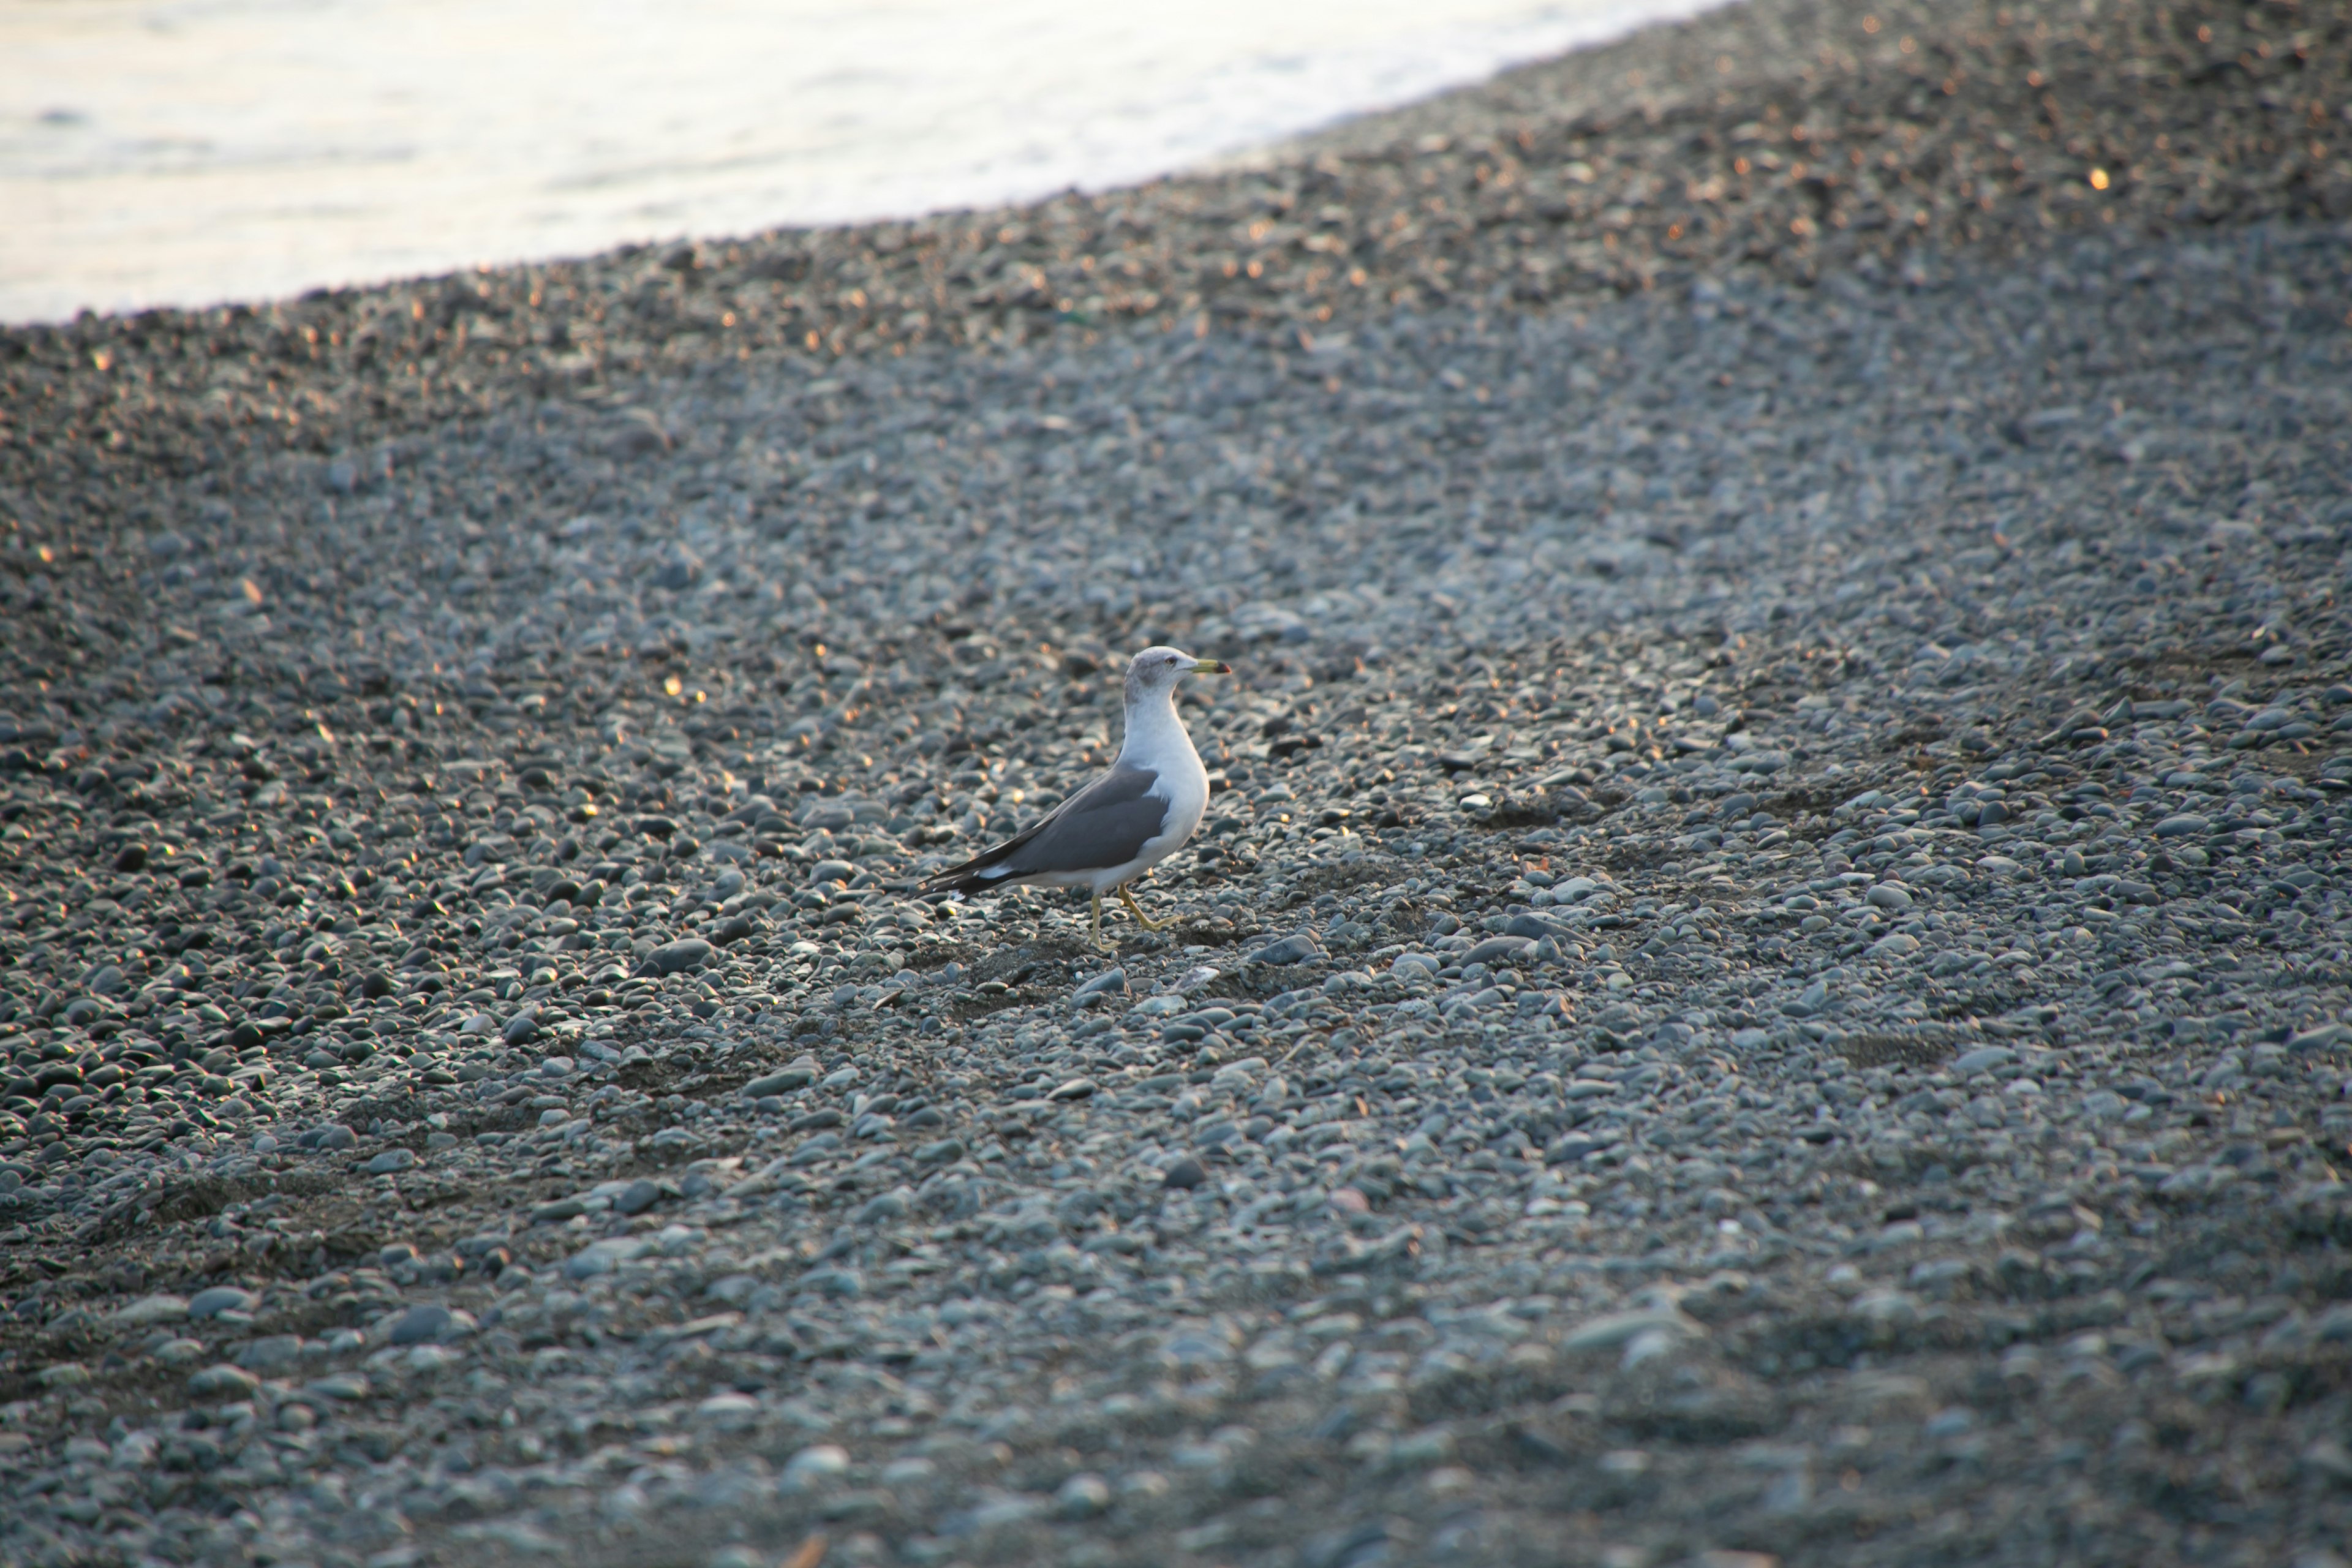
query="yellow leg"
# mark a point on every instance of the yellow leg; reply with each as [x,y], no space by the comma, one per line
[1146,922]
[1096,935]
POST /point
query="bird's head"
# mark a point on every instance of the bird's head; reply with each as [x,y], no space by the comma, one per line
[1157,669]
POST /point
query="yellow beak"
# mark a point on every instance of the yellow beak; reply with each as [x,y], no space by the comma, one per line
[1212,667]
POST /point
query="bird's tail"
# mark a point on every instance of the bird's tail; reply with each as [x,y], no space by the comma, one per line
[991,867]
[972,877]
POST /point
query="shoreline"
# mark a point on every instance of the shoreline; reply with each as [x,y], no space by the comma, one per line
[1570,179]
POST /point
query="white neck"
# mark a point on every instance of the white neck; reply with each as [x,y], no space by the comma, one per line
[1155,736]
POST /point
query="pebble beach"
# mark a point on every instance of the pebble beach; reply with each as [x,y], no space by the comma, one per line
[1765,979]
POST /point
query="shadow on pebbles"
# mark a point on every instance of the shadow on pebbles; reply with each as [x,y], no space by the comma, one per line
[1764,979]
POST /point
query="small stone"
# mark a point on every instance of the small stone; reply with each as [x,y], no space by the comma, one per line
[419,1325]
[783,1083]
[1533,927]
[1983,1059]
[1076,1088]
[271,1354]
[1110,982]
[149,1310]
[1184,1175]
[391,1162]
[1897,945]
[1295,948]
[1615,1329]
[224,1382]
[816,1464]
[940,1152]
[680,957]
[883,1209]
[2185,824]
[1888,895]
[1082,1497]
[334,1137]
[1496,949]
[636,1197]
[730,1411]
[219,1298]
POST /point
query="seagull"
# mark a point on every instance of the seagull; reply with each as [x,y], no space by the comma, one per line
[1123,824]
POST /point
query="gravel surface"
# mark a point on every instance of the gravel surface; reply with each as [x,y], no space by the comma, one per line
[1765,978]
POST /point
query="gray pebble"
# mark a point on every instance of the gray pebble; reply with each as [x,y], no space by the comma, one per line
[420,1325]
[218,1299]
[680,957]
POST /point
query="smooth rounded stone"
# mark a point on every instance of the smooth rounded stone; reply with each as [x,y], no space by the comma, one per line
[332,1138]
[521,1028]
[680,957]
[1082,1497]
[218,1299]
[420,1324]
[1073,1089]
[1888,895]
[554,1116]
[603,1257]
[2182,824]
[391,1162]
[224,1382]
[270,1354]
[841,1283]
[1533,927]
[1983,1058]
[149,1310]
[1296,948]
[1110,982]
[1184,1175]
[636,1197]
[1496,949]
[785,1080]
[884,1208]
[1612,1331]
[940,1152]
[729,1411]
[815,1464]
[1895,944]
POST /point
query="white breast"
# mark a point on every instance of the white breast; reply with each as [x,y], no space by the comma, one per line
[1155,739]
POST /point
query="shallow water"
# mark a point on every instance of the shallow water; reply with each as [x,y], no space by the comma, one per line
[186,151]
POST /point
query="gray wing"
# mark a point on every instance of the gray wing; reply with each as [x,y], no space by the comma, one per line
[1104,825]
